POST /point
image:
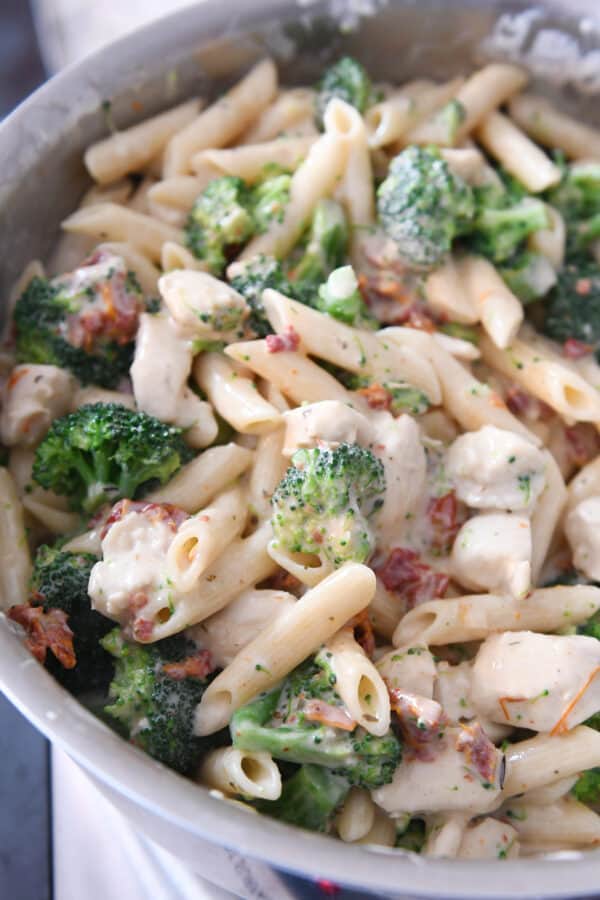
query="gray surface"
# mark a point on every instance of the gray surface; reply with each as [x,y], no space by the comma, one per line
[24,809]
[25,851]
[21,68]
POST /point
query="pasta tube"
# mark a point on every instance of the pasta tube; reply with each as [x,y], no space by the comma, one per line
[285,643]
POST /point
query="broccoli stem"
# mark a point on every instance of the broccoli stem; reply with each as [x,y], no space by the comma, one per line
[584,232]
[309,799]
[502,230]
[326,247]
[250,732]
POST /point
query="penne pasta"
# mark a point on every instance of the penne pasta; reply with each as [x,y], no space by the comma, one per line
[234,771]
[199,481]
[287,111]
[224,120]
[234,397]
[205,536]
[545,124]
[498,310]
[516,153]
[249,161]
[358,683]
[297,377]
[472,618]
[133,149]
[546,759]
[315,178]
[285,643]
[471,402]
[15,561]
[351,348]
[546,376]
[110,222]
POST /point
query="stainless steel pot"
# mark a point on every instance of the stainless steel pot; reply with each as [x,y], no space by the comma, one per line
[41,179]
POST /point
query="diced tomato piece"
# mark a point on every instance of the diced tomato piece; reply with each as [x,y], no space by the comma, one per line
[574,349]
[405,574]
[197,666]
[446,515]
[46,631]
[289,340]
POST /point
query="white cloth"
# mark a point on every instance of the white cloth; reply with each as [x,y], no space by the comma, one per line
[99,856]
[68,30]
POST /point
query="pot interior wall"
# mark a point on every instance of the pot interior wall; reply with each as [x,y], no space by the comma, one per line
[207,47]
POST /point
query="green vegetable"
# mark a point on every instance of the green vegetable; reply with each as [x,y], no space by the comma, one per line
[347,80]
[104,451]
[401,396]
[462,332]
[220,220]
[577,198]
[448,120]
[587,787]
[309,799]
[572,309]
[529,276]
[404,398]
[277,723]
[52,321]
[269,199]
[422,205]
[324,501]
[60,581]
[326,250]
[154,709]
[413,837]
[257,274]
[497,233]
[341,299]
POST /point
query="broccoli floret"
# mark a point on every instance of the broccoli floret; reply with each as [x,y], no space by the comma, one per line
[413,837]
[153,704]
[324,501]
[404,398]
[104,451]
[250,281]
[269,199]
[587,787]
[422,205]
[590,629]
[326,250]
[577,196]
[347,80]
[84,321]
[396,396]
[572,309]
[287,723]
[447,122]
[340,298]
[460,331]
[60,581]
[309,799]
[581,234]
[497,233]
[529,276]
[220,220]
